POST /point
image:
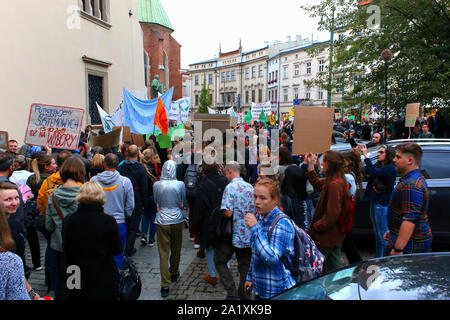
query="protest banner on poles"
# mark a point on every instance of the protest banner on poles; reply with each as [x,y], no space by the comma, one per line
[56,126]
[108,140]
[258,107]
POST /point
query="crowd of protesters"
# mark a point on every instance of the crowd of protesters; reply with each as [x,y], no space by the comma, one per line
[92,205]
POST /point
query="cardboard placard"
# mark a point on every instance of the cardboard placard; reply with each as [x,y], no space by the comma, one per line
[56,126]
[108,140]
[313,127]
[3,140]
[412,113]
[138,140]
[126,134]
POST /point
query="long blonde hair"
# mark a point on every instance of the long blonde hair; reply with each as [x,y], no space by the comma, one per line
[38,165]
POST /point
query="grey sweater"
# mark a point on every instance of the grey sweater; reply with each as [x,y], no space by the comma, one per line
[119,194]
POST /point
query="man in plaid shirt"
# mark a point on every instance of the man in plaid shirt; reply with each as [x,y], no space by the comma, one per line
[409,230]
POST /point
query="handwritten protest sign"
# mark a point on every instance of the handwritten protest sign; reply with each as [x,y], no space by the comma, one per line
[313,127]
[412,112]
[55,126]
[3,139]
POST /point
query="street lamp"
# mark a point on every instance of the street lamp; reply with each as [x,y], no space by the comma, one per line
[330,68]
[386,55]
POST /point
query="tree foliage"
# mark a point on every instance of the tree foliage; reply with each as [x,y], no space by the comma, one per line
[204,99]
[418,34]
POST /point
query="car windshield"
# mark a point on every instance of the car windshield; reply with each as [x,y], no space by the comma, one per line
[340,285]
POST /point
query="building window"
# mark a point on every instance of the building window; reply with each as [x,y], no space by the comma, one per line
[210,79]
[285,72]
[97,8]
[308,93]
[246,97]
[260,71]
[196,99]
[228,76]
[260,93]
[295,93]
[196,80]
[223,77]
[321,65]
[253,72]
[276,95]
[247,73]
[320,93]
[233,75]
[297,69]
[253,96]
[95,87]
[210,97]
[270,77]
[285,95]
[276,76]
[308,67]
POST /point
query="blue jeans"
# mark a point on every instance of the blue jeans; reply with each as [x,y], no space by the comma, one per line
[123,240]
[148,220]
[210,260]
[378,215]
[309,212]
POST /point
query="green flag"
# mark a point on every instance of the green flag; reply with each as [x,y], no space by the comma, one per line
[262,118]
[248,117]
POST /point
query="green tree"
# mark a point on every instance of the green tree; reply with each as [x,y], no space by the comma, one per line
[418,34]
[205,99]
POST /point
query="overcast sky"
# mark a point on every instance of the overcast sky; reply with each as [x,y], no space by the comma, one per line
[200,25]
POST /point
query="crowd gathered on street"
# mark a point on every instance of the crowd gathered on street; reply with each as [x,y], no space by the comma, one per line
[93,206]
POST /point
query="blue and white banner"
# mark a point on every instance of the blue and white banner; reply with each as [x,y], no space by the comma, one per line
[139,115]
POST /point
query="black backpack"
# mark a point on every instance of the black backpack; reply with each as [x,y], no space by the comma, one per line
[191,181]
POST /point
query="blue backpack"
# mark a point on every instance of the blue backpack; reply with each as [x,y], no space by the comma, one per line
[308,260]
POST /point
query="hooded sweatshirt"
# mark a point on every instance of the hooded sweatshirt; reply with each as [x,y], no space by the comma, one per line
[65,200]
[169,195]
[135,171]
[119,194]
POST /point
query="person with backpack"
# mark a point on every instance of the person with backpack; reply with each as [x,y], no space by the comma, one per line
[153,167]
[379,189]
[191,178]
[61,203]
[326,229]
[119,199]
[267,275]
[210,191]
[354,178]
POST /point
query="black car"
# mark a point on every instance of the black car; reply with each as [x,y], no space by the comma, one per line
[407,277]
[435,167]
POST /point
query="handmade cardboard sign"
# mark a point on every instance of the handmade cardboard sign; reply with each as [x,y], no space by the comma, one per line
[3,139]
[138,140]
[313,127]
[55,126]
[412,112]
[126,134]
[108,140]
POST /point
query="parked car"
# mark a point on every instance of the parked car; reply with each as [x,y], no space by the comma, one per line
[435,167]
[407,277]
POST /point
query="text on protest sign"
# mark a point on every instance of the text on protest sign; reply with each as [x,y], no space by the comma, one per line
[55,126]
[258,107]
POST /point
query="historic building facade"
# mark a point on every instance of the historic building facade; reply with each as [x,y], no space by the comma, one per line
[234,79]
[74,53]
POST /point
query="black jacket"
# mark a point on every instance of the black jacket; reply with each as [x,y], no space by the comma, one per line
[91,240]
[139,179]
[210,191]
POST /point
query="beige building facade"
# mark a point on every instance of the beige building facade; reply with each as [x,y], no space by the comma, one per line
[68,53]
[234,79]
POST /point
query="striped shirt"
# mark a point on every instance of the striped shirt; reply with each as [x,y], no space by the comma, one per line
[267,273]
[409,202]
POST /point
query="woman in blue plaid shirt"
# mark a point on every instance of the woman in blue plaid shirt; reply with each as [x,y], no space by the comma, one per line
[267,276]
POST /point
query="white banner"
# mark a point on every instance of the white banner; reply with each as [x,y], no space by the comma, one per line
[258,107]
[179,110]
[57,127]
[174,112]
